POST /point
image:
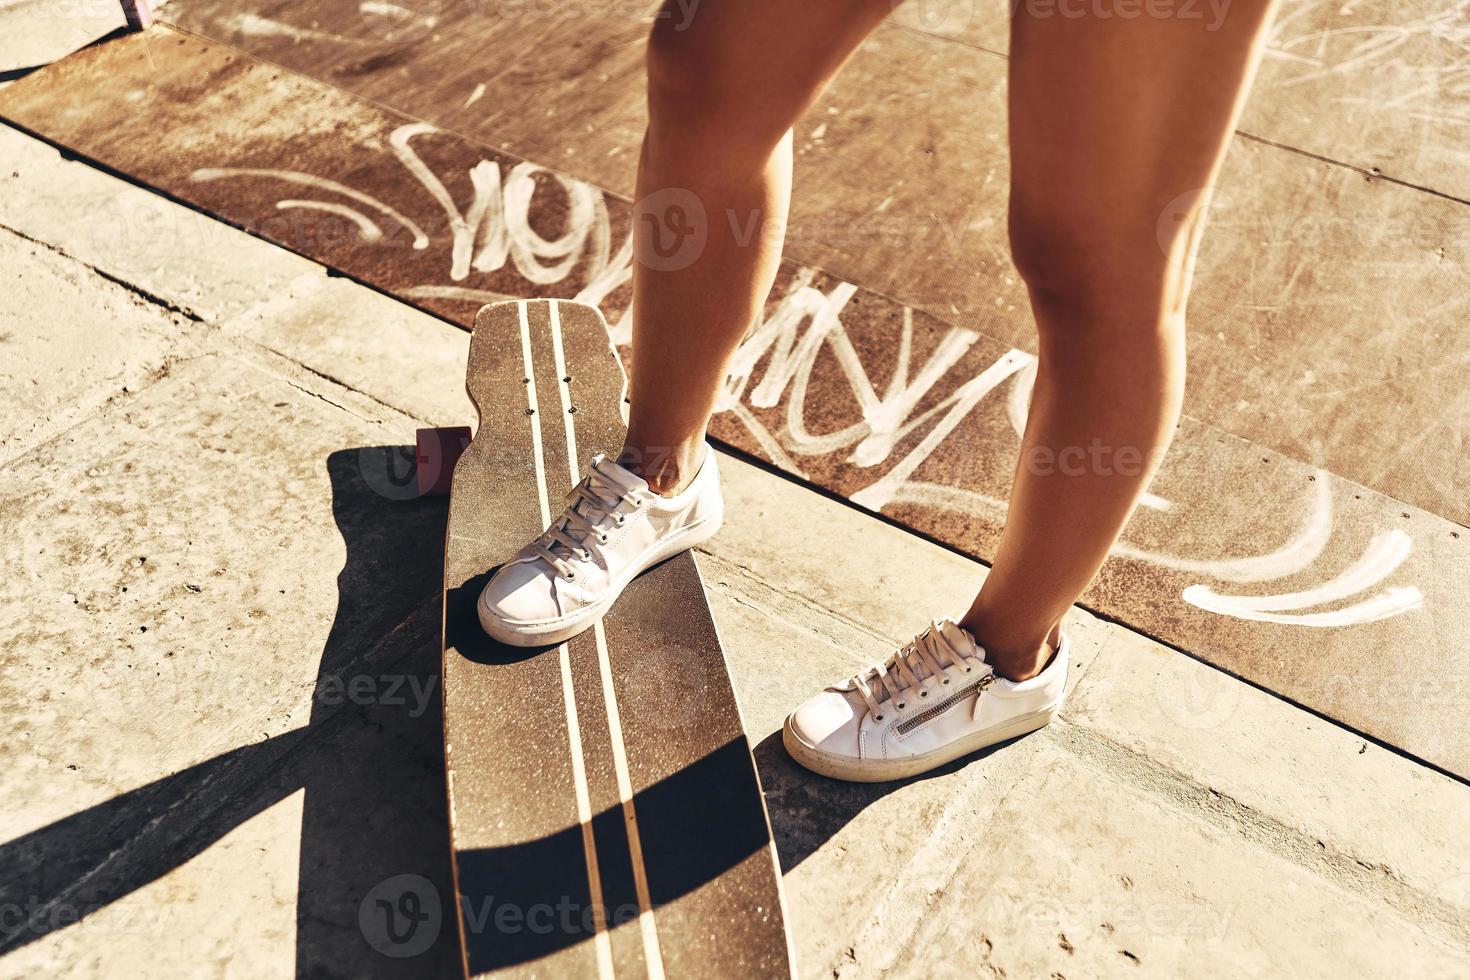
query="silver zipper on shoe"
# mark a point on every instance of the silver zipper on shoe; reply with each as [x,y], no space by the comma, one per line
[930,713]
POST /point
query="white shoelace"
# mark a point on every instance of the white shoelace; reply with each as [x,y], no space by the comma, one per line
[907,668]
[578,531]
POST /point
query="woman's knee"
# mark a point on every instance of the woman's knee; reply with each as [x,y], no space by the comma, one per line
[1107,267]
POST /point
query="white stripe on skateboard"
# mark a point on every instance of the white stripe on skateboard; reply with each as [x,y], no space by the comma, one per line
[602,942]
[533,409]
[652,954]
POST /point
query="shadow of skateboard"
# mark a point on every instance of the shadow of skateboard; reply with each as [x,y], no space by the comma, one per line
[605,813]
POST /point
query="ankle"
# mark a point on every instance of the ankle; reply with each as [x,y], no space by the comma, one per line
[666,469]
[1015,661]
[1019,666]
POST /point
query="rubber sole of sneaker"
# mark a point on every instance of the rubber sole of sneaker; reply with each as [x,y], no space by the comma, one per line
[887,770]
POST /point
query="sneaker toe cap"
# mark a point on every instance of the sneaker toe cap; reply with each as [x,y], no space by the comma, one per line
[827,722]
[520,593]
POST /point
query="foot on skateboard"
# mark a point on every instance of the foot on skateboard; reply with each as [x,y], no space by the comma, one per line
[614,527]
[605,813]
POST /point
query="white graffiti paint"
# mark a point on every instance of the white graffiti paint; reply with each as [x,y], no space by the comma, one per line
[420,240]
[368,231]
[494,231]
[253,25]
[1384,554]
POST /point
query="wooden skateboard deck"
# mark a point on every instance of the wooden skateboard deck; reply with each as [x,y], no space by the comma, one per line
[605,813]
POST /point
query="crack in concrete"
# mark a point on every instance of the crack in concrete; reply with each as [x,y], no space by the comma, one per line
[321,397]
[149,297]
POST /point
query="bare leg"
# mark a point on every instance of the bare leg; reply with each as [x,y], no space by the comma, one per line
[724,89]
[1112,123]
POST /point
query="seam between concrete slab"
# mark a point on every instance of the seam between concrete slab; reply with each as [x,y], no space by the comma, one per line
[725,566]
[1375,882]
[1371,173]
[155,374]
[153,299]
[150,298]
[181,348]
[1404,754]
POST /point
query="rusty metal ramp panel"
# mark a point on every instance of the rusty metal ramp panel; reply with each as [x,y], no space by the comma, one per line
[1337,597]
[1335,272]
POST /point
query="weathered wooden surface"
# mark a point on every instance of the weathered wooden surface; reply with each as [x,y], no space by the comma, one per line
[1331,313]
[1304,582]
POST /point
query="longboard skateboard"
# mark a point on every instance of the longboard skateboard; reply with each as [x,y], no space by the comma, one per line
[605,813]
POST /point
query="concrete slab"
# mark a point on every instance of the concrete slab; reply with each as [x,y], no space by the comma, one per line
[99,340]
[1377,84]
[179,548]
[204,267]
[377,346]
[172,925]
[1325,790]
[37,32]
[1264,789]
[1099,878]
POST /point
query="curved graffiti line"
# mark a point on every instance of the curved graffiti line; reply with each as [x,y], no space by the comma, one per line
[420,240]
[1384,554]
[368,231]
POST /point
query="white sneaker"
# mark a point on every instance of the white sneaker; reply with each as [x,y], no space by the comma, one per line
[932,701]
[613,528]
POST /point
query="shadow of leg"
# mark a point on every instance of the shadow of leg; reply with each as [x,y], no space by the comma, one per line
[376,895]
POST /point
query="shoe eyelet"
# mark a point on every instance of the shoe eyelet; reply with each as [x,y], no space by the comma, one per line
[571,576]
[946,680]
[877,717]
[969,669]
[602,539]
[900,706]
[923,694]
